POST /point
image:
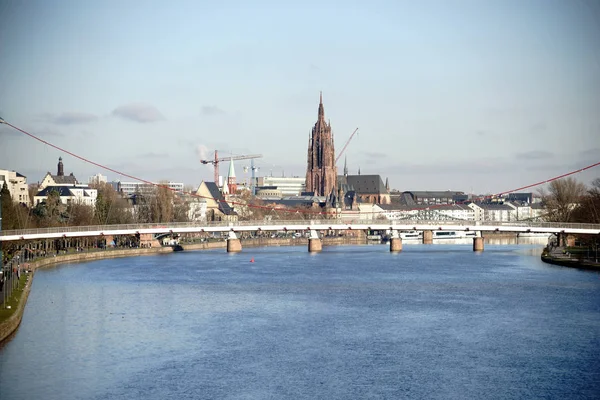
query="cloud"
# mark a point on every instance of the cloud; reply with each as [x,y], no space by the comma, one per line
[534,155]
[374,154]
[138,112]
[540,127]
[72,118]
[211,110]
[153,155]
[591,153]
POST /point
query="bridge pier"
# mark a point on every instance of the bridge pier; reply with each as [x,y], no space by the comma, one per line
[395,242]
[234,245]
[478,243]
[314,242]
[427,237]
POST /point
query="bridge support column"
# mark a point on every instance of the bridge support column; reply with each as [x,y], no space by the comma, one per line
[234,245]
[427,237]
[478,243]
[395,242]
[314,242]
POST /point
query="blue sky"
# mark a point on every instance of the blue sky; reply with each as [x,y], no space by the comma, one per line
[480,96]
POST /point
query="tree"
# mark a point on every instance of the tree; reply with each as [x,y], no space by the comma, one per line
[9,213]
[589,208]
[80,214]
[562,198]
[51,212]
[110,207]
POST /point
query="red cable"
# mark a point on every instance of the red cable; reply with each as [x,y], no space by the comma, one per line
[277,208]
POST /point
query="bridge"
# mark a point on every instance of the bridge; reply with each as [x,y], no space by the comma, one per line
[313,227]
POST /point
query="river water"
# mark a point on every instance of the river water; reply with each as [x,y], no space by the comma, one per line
[351,322]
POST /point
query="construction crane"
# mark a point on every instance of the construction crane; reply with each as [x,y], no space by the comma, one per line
[345,145]
[218,160]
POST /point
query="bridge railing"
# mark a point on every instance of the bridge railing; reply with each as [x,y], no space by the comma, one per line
[327,222]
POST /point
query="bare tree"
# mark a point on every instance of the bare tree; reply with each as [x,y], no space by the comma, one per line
[562,198]
[589,209]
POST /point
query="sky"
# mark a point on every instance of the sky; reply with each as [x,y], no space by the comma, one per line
[476,96]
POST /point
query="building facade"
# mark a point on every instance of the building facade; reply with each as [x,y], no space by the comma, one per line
[60,179]
[321,172]
[69,195]
[17,185]
[129,188]
[292,186]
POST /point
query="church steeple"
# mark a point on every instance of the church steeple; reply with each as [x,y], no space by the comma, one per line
[61,169]
[321,108]
[345,166]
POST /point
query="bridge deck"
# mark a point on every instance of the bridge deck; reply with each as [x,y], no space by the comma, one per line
[249,226]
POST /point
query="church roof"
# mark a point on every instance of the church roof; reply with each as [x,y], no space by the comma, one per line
[214,191]
[63,179]
[366,184]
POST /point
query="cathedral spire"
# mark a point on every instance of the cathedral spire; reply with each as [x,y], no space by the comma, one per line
[321,109]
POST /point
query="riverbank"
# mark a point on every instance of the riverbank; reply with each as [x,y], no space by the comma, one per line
[10,324]
[556,256]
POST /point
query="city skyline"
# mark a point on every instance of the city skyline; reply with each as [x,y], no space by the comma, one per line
[464,96]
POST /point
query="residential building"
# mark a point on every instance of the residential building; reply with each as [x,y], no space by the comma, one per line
[17,185]
[432,197]
[493,212]
[97,179]
[69,195]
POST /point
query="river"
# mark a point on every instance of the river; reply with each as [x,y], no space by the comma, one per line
[351,322]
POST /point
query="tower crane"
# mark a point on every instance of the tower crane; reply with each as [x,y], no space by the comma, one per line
[345,145]
[218,160]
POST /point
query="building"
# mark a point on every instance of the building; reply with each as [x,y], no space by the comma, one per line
[129,188]
[68,195]
[413,197]
[493,212]
[17,185]
[367,188]
[292,186]
[97,179]
[321,171]
[59,179]
[441,212]
[213,203]
[231,182]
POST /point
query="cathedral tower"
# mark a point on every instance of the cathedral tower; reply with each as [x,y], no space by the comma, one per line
[321,172]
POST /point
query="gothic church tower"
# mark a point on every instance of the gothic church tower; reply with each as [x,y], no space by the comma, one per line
[321,172]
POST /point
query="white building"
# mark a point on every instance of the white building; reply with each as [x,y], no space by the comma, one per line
[493,212]
[97,179]
[69,195]
[129,188]
[17,185]
[287,186]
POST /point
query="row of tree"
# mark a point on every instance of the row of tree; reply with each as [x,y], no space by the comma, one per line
[568,200]
[158,204]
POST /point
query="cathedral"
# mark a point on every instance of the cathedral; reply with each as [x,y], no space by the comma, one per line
[321,172]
